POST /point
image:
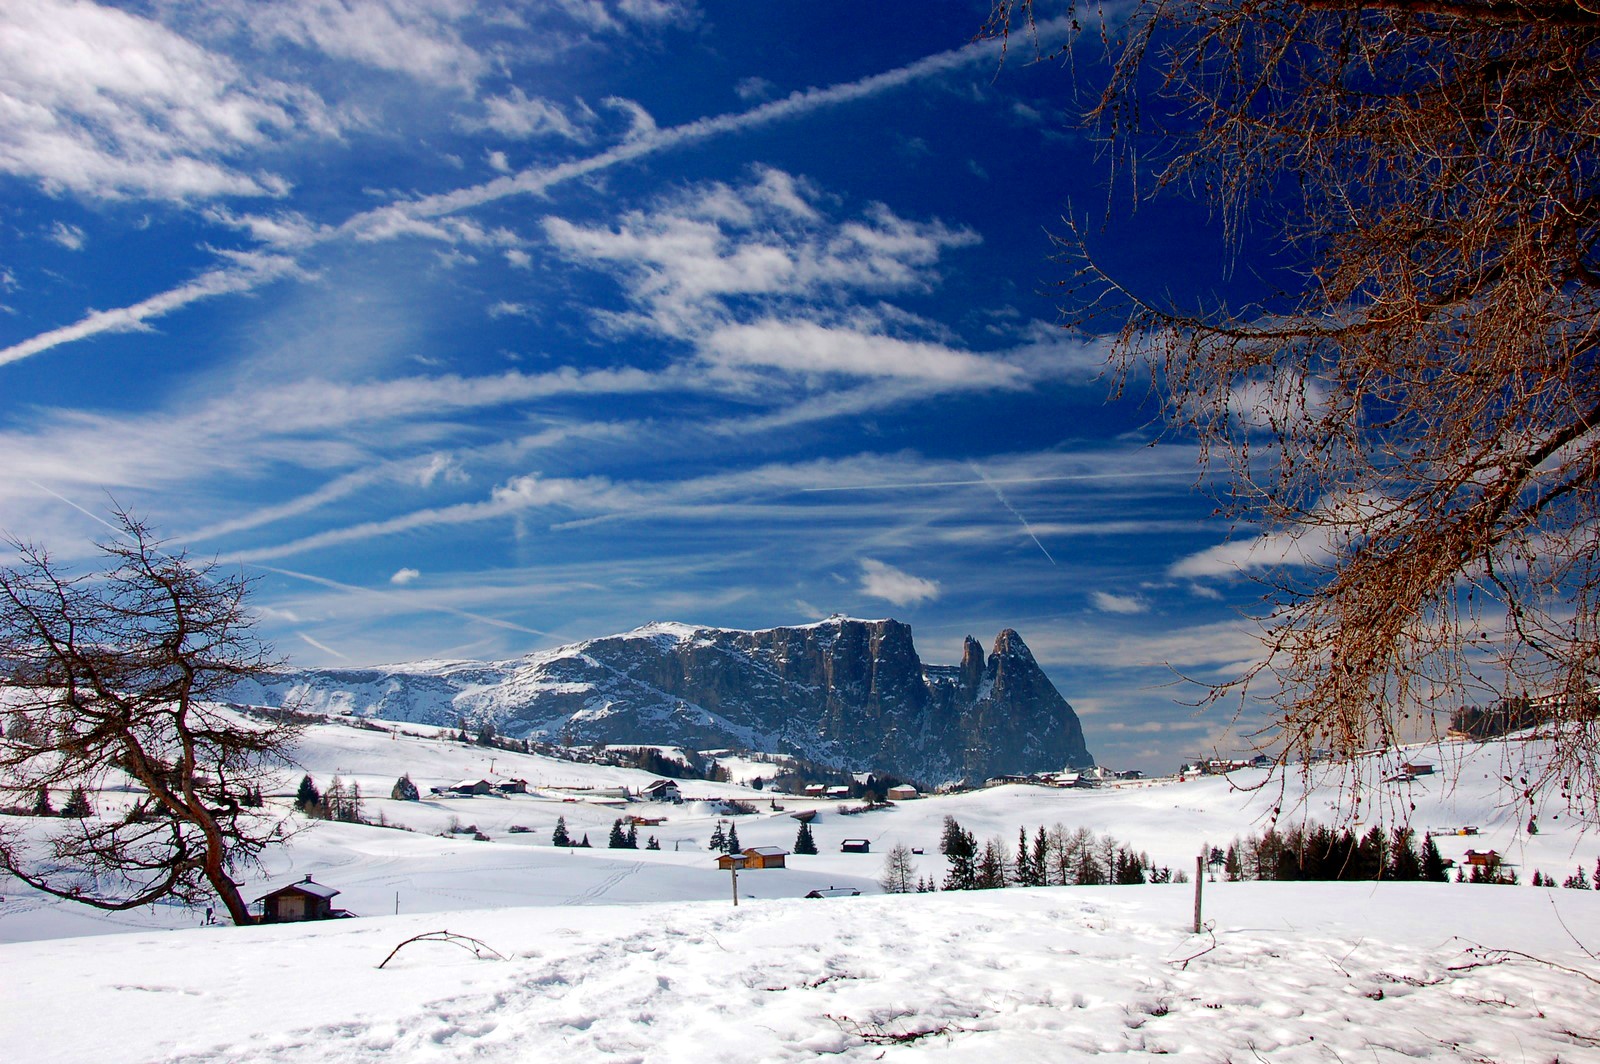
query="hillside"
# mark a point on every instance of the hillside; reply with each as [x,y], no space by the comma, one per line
[610,955]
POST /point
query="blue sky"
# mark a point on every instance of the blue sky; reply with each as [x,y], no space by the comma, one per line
[475,328]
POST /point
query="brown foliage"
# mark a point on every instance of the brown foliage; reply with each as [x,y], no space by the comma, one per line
[1415,421]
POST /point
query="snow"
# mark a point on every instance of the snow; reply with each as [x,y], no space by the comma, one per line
[1308,973]
[621,955]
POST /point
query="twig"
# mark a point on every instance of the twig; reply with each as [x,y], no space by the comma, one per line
[1587,951]
[1183,964]
[466,942]
[1498,956]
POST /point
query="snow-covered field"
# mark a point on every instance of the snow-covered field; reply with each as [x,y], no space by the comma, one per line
[639,955]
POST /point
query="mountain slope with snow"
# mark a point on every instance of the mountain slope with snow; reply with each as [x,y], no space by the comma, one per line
[847,693]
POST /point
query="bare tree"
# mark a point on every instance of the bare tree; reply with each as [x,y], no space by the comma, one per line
[116,675]
[1413,422]
[899,874]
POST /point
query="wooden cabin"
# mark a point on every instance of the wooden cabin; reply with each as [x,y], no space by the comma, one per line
[756,857]
[855,846]
[305,900]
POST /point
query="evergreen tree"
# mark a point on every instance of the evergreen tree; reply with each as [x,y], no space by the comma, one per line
[41,803]
[584,845]
[1041,857]
[78,806]
[803,842]
[619,838]
[633,836]
[307,797]
[652,843]
[719,840]
[1405,863]
[559,836]
[404,790]
[1024,862]
[991,872]
[733,839]
[1578,881]
[1129,868]
[960,849]
[1433,866]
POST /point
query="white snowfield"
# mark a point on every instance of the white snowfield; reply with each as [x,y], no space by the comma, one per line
[1322,972]
[623,955]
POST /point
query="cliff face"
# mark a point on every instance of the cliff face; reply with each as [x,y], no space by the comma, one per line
[849,693]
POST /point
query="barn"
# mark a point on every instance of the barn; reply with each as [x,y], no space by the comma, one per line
[305,900]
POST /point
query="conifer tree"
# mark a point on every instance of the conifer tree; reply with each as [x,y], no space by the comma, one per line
[1433,866]
[803,841]
[652,843]
[41,803]
[1405,864]
[633,836]
[619,838]
[78,806]
[733,839]
[584,845]
[991,872]
[960,849]
[307,797]
[719,840]
[559,836]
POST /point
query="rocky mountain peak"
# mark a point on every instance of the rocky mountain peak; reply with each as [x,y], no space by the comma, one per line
[845,692]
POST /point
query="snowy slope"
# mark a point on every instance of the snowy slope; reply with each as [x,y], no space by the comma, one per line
[1290,973]
[639,955]
[379,870]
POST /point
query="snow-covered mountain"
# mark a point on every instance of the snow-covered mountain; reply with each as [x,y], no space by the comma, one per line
[852,694]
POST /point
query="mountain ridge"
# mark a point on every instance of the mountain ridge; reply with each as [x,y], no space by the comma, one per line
[850,693]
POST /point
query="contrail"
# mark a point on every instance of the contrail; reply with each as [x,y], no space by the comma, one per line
[260,269]
[434,607]
[990,482]
[322,580]
[994,487]
[325,648]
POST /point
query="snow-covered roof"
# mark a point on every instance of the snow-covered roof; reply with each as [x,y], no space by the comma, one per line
[305,886]
[767,851]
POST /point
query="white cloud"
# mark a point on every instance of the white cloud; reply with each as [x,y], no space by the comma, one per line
[804,347]
[1274,550]
[417,38]
[68,236]
[519,258]
[895,586]
[403,577]
[538,180]
[754,88]
[640,122]
[523,117]
[680,260]
[1106,602]
[105,104]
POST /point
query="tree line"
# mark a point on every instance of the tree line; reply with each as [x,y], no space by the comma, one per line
[1057,856]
